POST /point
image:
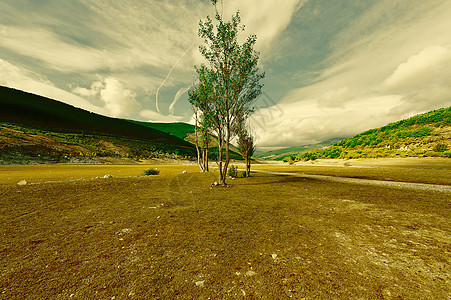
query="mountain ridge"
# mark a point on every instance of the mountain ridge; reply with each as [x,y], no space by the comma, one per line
[39,128]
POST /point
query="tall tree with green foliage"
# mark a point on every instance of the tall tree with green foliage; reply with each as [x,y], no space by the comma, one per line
[229,82]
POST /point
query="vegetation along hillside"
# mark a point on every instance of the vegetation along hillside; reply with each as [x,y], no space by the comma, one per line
[283,154]
[42,129]
[186,131]
[427,134]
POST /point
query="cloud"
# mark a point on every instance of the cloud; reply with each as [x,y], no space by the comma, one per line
[118,100]
[430,66]
[423,80]
[376,75]
[335,98]
[304,122]
[153,116]
[91,92]
[106,36]
[151,33]
[265,18]
[177,96]
[46,46]
[166,78]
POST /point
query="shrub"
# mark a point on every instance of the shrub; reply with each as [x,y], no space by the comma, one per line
[151,172]
[440,148]
[233,171]
[243,174]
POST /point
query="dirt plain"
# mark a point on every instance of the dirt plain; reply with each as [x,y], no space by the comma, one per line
[171,236]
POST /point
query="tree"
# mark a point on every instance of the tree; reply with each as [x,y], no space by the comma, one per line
[246,147]
[201,137]
[229,84]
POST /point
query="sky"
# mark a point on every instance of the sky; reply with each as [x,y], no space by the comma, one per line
[334,68]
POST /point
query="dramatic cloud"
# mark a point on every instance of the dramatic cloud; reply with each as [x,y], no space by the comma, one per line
[423,80]
[265,18]
[332,68]
[49,48]
[432,64]
[305,122]
[118,100]
[377,74]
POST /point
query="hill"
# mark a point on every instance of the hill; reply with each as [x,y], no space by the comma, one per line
[427,134]
[186,131]
[282,154]
[32,126]
[178,129]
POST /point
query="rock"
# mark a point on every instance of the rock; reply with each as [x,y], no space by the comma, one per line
[22,182]
[108,176]
[200,283]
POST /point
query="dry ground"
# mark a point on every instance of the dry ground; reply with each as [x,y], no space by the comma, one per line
[267,237]
[11,174]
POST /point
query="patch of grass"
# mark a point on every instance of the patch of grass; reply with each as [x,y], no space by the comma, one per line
[151,172]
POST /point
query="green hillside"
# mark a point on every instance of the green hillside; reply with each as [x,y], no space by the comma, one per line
[29,121]
[427,134]
[23,108]
[178,129]
[282,154]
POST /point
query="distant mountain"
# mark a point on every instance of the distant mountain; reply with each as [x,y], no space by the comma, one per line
[282,154]
[427,134]
[29,121]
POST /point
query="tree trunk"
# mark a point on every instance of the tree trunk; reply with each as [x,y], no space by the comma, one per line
[206,159]
[245,165]
[227,158]
[248,167]
[197,144]
[206,154]
[220,157]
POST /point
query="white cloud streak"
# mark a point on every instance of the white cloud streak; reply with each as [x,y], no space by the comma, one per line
[177,96]
[166,78]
